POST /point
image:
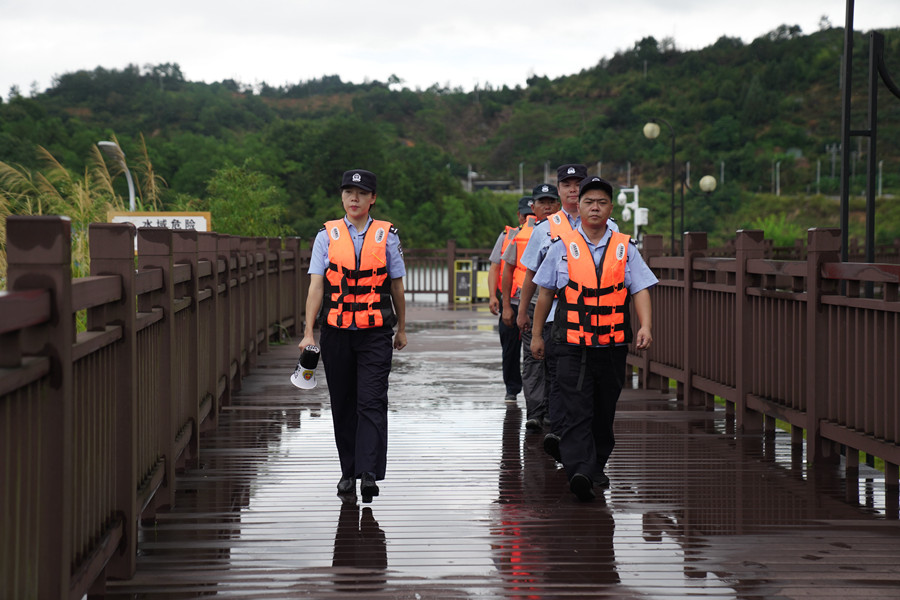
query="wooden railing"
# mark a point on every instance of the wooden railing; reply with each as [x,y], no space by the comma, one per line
[431,270]
[94,424]
[814,343]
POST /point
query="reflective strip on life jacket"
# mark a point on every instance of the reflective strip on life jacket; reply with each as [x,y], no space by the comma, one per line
[357,290]
[594,312]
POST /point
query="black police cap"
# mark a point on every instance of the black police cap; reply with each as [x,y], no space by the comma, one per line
[564,172]
[364,180]
[594,183]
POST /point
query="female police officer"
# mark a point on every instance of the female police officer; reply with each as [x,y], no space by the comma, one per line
[356,272]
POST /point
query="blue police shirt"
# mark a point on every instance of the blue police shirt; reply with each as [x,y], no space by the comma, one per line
[554,271]
[318,262]
[498,246]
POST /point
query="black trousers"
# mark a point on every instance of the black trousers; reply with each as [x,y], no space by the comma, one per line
[357,364]
[511,351]
[586,439]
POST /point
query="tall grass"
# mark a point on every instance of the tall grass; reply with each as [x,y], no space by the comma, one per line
[85,198]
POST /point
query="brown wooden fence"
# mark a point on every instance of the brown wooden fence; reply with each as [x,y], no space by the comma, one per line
[813,343]
[94,424]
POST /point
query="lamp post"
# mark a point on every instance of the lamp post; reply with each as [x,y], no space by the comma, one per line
[651,132]
[113,151]
[708,185]
[641,215]
[521,180]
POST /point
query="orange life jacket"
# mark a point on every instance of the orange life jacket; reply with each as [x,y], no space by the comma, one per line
[521,241]
[358,290]
[507,238]
[594,313]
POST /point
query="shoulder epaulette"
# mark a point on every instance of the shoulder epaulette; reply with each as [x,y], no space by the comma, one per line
[393,230]
[322,228]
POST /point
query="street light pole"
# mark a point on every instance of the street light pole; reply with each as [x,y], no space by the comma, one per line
[708,185]
[112,150]
[629,208]
[521,180]
[651,132]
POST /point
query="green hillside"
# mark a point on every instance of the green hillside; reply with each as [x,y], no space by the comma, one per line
[738,108]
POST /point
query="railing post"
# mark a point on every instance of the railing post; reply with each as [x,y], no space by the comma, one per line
[263,318]
[748,246]
[652,248]
[39,256]
[694,247]
[238,306]
[227,307]
[250,308]
[112,253]
[298,306]
[276,286]
[824,246]
[207,244]
[184,251]
[155,252]
[451,259]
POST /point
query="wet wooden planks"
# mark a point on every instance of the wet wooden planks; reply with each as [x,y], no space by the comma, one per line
[473,508]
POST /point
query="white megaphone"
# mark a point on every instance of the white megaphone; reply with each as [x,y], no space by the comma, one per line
[304,376]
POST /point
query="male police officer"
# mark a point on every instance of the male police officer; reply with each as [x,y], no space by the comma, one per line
[546,201]
[569,176]
[356,276]
[510,339]
[596,273]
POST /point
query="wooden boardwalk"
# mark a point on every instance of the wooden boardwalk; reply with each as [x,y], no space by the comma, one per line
[473,508]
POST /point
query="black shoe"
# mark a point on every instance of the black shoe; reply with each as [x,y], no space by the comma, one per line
[582,487]
[551,446]
[533,425]
[603,480]
[367,487]
[347,485]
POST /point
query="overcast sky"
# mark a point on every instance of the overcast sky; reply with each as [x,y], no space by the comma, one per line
[460,43]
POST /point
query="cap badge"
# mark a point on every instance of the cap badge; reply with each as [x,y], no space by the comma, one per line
[571,171]
[573,249]
[545,189]
[356,178]
[530,203]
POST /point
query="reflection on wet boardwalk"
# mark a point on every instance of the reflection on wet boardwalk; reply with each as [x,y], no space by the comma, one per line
[473,508]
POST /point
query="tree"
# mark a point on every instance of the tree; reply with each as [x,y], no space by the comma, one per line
[246,203]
